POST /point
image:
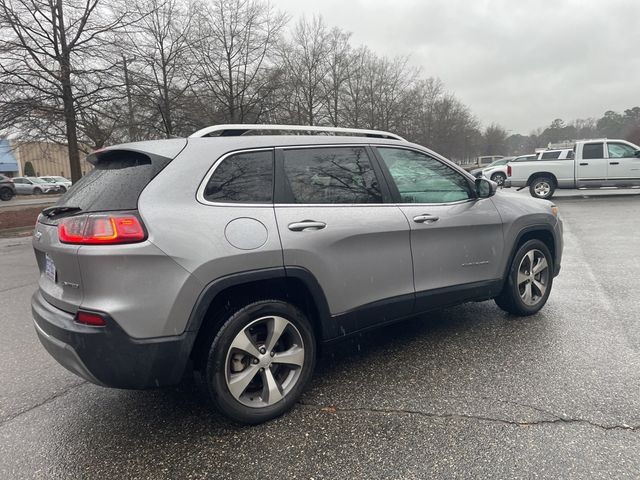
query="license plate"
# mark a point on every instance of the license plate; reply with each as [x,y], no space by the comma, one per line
[50,268]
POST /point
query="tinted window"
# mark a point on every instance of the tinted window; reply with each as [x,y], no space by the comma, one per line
[548,155]
[592,150]
[422,179]
[115,183]
[620,150]
[331,175]
[242,178]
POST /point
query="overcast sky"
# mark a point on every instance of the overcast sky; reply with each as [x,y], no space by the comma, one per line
[519,63]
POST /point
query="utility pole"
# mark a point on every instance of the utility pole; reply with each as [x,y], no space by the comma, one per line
[130,122]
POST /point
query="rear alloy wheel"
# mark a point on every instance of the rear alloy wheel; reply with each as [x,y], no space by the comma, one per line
[542,187]
[260,361]
[530,279]
[499,178]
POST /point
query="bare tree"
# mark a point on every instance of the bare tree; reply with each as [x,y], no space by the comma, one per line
[236,38]
[337,74]
[158,53]
[304,59]
[46,45]
[354,87]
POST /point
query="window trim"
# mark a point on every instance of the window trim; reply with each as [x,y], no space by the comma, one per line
[394,188]
[203,184]
[282,199]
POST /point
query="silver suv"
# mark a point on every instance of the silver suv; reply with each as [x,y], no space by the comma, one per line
[241,253]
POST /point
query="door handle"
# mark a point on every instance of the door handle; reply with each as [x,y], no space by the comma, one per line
[306,225]
[425,218]
[584,164]
[614,163]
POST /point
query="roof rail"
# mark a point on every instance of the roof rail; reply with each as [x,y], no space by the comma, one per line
[242,129]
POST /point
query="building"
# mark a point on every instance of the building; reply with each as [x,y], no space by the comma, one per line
[47,158]
[8,161]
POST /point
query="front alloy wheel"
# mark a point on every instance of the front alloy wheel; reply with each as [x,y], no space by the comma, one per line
[533,277]
[260,361]
[529,280]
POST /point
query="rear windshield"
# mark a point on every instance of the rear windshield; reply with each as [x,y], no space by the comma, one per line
[115,183]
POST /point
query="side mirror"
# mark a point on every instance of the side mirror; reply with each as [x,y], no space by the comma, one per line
[637,153]
[485,188]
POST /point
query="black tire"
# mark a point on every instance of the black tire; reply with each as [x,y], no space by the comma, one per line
[37,191]
[6,194]
[499,178]
[510,299]
[542,187]
[63,190]
[216,367]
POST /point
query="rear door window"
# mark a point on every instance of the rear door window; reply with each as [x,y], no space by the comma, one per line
[592,151]
[330,175]
[245,177]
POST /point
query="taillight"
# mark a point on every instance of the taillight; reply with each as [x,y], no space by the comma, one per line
[101,229]
[90,318]
[508,170]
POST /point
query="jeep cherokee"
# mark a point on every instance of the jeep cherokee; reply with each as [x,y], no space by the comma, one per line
[240,254]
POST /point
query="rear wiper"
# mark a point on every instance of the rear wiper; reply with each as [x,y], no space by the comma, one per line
[53,211]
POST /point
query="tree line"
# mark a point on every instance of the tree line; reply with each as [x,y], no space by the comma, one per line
[625,125]
[89,73]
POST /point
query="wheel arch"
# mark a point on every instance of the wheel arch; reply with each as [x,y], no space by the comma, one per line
[533,176]
[540,232]
[227,294]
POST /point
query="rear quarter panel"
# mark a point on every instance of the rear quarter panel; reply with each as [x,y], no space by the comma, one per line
[195,235]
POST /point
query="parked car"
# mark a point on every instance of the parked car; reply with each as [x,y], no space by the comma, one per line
[592,164]
[7,188]
[34,186]
[64,183]
[525,158]
[268,247]
[496,171]
[482,162]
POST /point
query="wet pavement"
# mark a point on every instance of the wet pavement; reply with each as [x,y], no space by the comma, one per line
[465,392]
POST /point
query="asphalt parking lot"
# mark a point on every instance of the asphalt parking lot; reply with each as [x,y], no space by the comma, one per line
[465,392]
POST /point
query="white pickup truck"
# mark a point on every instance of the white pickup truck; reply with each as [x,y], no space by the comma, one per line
[594,164]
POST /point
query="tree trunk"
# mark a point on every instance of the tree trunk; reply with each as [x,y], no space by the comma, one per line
[67,100]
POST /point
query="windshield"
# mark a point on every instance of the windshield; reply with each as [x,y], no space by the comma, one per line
[498,162]
[36,180]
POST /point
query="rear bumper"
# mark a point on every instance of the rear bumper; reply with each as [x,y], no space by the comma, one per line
[107,356]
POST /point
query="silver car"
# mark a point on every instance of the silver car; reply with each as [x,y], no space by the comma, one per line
[242,254]
[62,182]
[34,186]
